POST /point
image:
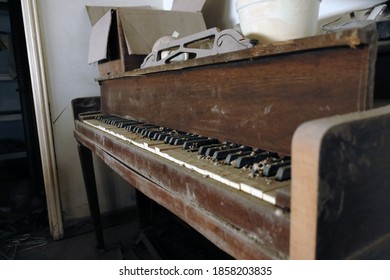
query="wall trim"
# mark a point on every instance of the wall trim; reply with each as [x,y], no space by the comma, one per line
[42,111]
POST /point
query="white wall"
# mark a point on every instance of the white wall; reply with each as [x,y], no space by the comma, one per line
[330,8]
[66,29]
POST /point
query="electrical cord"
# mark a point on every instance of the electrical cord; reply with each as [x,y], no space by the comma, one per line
[12,242]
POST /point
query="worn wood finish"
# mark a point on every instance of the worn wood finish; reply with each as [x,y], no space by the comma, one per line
[90,187]
[352,38]
[341,186]
[257,103]
[85,104]
[226,216]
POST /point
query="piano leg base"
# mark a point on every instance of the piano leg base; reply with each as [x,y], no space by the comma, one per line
[90,186]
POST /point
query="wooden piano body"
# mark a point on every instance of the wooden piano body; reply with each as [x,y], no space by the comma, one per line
[336,204]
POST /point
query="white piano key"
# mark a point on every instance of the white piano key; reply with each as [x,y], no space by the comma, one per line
[256,193]
[269,198]
[246,188]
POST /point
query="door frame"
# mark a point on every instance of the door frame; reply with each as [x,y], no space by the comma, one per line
[42,112]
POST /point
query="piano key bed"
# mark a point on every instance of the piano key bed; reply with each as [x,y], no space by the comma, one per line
[262,174]
[241,211]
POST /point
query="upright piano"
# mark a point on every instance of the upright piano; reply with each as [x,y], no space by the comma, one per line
[274,152]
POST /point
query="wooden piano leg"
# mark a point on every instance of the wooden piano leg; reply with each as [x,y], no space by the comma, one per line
[90,186]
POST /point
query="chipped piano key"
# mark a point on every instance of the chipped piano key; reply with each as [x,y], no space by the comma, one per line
[272,168]
[196,153]
[197,143]
[222,154]
[210,151]
[233,156]
[203,149]
[283,174]
[253,158]
[180,141]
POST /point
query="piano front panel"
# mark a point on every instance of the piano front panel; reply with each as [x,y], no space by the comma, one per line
[258,103]
[258,220]
[263,225]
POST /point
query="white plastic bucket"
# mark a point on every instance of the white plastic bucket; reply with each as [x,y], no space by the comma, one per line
[278,20]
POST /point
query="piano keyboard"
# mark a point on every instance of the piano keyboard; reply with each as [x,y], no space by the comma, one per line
[256,172]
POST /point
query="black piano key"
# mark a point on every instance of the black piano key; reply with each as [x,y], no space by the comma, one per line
[115,121]
[142,127]
[166,137]
[253,158]
[167,132]
[222,154]
[111,120]
[197,143]
[210,152]
[103,119]
[203,149]
[131,127]
[146,132]
[272,168]
[143,130]
[160,136]
[233,156]
[125,123]
[136,127]
[99,117]
[107,119]
[173,137]
[181,141]
[153,132]
[284,173]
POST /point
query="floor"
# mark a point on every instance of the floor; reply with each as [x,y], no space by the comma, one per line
[123,240]
[119,239]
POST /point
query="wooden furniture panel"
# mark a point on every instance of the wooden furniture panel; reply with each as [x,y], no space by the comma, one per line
[341,186]
[209,100]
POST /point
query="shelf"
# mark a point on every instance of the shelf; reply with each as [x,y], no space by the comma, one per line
[5,78]
[17,155]
[10,117]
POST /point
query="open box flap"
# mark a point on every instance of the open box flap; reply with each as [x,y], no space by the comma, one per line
[188,6]
[143,28]
[99,38]
[95,13]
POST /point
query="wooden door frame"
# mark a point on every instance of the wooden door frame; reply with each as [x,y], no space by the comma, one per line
[42,111]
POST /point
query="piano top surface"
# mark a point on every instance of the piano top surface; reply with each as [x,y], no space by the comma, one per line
[351,38]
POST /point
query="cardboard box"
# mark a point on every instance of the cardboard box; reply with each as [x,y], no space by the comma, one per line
[122,36]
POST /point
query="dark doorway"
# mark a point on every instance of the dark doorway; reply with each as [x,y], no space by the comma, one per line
[22,192]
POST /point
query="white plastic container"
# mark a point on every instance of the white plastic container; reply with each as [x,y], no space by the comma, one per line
[278,20]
